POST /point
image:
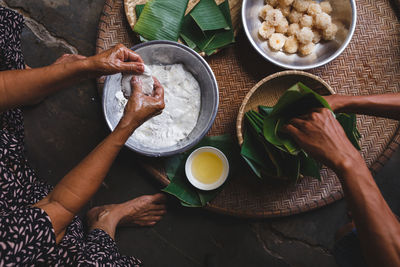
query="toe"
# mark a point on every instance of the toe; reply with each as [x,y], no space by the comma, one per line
[159,198]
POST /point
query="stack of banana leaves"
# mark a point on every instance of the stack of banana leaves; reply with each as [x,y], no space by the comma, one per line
[206,28]
[270,153]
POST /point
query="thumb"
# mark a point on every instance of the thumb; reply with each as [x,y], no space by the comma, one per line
[136,85]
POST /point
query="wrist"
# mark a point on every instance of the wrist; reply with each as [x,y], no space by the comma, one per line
[348,162]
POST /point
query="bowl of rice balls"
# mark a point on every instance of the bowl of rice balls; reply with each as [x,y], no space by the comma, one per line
[299,34]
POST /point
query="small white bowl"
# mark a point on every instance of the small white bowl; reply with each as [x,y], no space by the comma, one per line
[196,183]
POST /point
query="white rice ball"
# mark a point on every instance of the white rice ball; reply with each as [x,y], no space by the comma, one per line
[330,32]
[273,3]
[326,7]
[306,21]
[283,26]
[266,30]
[295,16]
[306,49]
[322,21]
[264,10]
[293,29]
[317,36]
[285,10]
[273,17]
[314,9]
[277,41]
[291,45]
[301,5]
[285,2]
[305,35]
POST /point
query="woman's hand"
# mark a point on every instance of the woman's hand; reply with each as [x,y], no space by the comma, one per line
[69,58]
[141,107]
[321,135]
[115,60]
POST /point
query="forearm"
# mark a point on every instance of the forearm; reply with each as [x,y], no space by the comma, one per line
[24,87]
[81,183]
[377,226]
[385,105]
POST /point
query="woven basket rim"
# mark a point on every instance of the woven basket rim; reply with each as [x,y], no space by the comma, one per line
[239,120]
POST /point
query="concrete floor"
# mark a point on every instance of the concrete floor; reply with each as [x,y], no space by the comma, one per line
[66,126]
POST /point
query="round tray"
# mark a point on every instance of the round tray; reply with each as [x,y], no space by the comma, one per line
[370,64]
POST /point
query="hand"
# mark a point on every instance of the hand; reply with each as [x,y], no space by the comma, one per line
[68,58]
[115,60]
[141,107]
[321,135]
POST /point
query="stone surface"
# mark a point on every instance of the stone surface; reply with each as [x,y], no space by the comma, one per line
[65,127]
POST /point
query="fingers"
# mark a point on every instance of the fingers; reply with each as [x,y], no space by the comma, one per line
[131,56]
[131,67]
[158,89]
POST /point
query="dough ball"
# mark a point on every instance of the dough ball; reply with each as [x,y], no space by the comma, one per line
[305,35]
[283,26]
[317,36]
[291,45]
[285,10]
[273,17]
[306,21]
[295,16]
[273,3]
[266,30]
[314,9]
[306,49]
[322,21]
[293,29]
[277,41]
[264,10]
[330,32]
[326,7]
[301,5]
[285,2]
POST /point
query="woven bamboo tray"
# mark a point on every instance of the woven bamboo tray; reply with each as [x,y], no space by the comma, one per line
[370,64]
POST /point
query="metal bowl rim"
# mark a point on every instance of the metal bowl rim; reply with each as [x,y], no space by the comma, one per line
[307,67]
[203,133]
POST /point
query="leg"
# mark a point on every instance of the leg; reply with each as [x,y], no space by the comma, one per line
[141,211]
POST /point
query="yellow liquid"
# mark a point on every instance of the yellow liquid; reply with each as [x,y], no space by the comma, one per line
[207,167]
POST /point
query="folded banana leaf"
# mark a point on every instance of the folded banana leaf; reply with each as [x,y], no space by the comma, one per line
[196,33]
[161,19]
[181,188]
[296,101]
[271,153]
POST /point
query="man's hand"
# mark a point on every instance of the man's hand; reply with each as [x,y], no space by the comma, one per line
[321,135]
[141,107]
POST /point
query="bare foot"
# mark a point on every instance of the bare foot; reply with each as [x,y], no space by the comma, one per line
[142,211]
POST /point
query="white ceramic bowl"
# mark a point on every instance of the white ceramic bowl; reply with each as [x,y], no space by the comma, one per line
[196,183]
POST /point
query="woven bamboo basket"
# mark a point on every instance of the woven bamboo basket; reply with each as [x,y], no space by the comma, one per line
[370,64]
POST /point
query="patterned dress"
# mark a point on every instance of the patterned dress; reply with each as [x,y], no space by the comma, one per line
[26,234]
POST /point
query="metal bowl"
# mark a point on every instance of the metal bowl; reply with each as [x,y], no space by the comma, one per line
[166,53]
[344,14]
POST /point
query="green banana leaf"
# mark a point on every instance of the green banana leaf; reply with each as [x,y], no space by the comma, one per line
[138,10]
[297,100]
[161,19]
[349,124]
[208,16]
[208,40]
[181,188]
